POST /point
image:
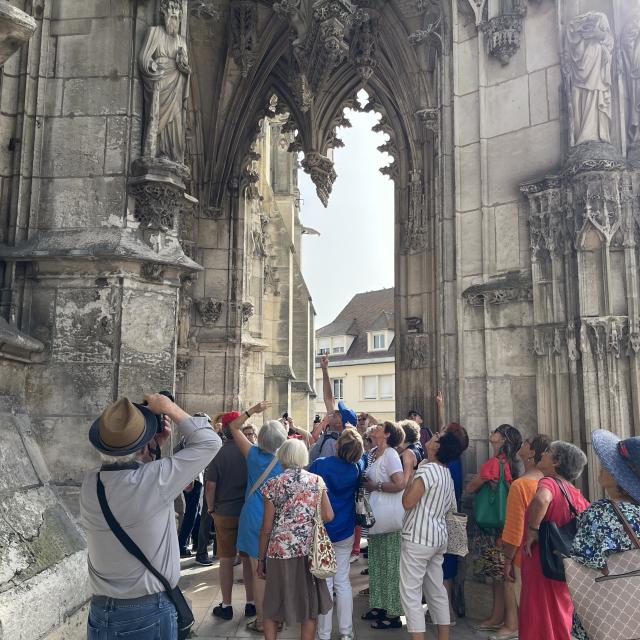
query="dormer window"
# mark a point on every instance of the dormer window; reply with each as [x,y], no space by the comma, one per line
[333,345]
[378,341]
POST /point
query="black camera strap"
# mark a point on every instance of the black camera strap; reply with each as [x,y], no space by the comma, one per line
[174,593]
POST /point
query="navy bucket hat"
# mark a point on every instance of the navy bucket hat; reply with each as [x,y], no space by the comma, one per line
[621,458]
[348,415]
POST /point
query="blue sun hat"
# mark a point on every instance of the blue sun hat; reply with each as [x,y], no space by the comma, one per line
[621,458]
[348,415]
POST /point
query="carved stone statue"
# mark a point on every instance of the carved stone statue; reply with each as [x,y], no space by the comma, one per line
[164,66]
[587,69]
[630,45]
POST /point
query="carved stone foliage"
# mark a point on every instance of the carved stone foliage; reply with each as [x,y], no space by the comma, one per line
[503,32]
[322,172]
[511,287]
[243,34]
[209,309]
[586,66]
[431,24]
[415,351]
[157,204]
[547,228]
[248,310]
[152,271]
[414,231]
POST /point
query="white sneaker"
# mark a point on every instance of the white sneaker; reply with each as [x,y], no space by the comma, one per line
[354,558]
[346,636]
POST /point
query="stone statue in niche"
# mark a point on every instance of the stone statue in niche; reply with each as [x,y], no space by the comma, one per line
[587,68]
[164,66]
[630,46]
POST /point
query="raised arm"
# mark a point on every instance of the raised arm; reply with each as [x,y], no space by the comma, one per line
[327,391]
[236,426]
[440,411]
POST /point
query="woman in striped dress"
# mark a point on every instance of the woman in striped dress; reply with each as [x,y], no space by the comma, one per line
[424,537]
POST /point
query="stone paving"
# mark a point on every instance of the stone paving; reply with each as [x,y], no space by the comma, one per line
[202,586]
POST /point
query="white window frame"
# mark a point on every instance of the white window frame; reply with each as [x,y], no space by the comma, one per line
[337,387]
[378,395]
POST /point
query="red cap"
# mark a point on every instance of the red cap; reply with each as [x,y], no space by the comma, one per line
[228,418]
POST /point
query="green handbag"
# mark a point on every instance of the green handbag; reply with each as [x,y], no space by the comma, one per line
[490,503]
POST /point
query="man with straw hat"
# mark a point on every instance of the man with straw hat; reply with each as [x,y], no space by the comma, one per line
[139,491]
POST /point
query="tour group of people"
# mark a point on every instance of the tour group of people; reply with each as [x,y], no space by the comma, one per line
[264,489]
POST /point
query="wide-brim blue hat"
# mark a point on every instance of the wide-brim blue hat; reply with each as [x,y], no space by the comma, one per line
[348,415]
[123,428]
[608,449]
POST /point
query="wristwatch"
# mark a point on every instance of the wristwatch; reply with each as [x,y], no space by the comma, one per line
[380,486]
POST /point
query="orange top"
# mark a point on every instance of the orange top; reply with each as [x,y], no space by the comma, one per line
[520,495]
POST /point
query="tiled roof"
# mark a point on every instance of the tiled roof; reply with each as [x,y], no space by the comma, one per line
[370,311]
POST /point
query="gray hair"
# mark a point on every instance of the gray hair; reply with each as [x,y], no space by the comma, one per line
[106,459]
[293,454]
[411,430]
[570,460]
[271,436]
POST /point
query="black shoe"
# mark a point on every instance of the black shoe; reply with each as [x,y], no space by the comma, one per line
[249,610]
[185,553]
[205,562]
[226,613]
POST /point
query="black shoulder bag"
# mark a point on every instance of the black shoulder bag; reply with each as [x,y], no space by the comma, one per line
[555,542]
[185,615]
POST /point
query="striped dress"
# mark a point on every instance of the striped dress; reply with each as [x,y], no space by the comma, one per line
[425,524]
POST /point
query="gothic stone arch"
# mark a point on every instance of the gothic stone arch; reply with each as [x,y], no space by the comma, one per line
[312,58]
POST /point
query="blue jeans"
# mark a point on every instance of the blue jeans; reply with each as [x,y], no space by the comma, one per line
[150,618]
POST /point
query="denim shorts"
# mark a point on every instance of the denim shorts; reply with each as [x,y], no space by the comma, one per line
[150,618]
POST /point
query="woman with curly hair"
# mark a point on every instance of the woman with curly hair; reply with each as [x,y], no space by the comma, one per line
[385,475]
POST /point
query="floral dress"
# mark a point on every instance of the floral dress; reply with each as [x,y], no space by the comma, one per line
[294,495]
[600,533]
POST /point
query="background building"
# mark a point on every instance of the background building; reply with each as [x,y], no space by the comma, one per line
[360,344]
[127,267]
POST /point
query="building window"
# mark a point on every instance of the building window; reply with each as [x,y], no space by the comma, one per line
[385,387]
[323,351]
[379,341]
[378,387]
[337,349]
[338,388]
[370,387]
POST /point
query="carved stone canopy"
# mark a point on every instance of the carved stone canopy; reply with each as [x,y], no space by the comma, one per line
[16,27]
[209,310]
[514,286]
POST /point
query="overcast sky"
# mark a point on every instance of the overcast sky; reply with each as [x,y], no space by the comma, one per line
[354,252]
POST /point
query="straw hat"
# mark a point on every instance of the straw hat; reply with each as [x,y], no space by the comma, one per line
[123,428]
[621,458]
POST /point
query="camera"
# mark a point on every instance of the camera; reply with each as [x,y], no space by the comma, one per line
[285,416]
[316,419]
[160,418]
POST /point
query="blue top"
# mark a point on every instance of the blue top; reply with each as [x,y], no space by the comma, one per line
[253,509]
[342,480]
[455,469]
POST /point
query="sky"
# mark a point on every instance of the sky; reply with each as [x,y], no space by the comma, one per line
[354,252]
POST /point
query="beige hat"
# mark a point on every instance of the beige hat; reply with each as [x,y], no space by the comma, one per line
[123,428]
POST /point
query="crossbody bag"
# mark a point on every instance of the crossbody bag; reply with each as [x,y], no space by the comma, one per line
[258,483]
[185,615]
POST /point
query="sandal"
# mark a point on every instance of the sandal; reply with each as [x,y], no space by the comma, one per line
[373,614]
[365,572]
[387,623]
[254,626]
[364,592]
